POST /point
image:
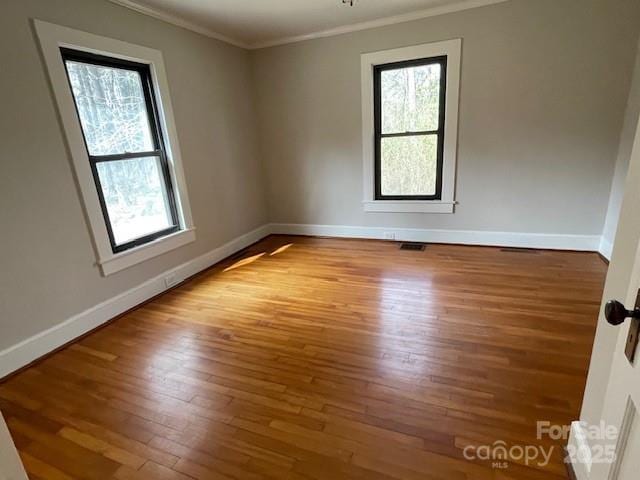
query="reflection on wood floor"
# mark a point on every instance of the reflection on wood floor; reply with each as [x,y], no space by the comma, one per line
[321,359]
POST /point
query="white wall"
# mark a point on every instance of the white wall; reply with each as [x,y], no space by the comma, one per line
[47,263]
[622,162]
[544,90]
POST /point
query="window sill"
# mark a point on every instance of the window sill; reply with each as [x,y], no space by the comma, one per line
[407,206]
[126,259]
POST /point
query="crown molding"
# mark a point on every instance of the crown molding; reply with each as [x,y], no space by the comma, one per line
[381,22]
[180,22]
[354,27]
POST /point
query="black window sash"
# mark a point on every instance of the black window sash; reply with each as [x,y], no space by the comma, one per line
[378,135]
[156,133]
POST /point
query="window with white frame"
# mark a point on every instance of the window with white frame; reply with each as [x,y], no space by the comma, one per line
[114,103]
[410,115]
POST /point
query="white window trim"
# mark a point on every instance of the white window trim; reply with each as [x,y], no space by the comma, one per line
[52,37]
[453,50]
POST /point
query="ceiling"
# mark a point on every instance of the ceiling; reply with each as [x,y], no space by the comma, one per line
[260,23]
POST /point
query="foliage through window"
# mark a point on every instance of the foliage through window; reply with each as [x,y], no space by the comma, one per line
[118,114]
[409,122]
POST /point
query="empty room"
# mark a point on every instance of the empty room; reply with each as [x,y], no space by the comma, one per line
[320,239]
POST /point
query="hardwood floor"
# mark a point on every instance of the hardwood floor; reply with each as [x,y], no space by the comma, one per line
[322,359]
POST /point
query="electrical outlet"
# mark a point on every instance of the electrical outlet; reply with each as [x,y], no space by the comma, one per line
[389,236]
[170,280]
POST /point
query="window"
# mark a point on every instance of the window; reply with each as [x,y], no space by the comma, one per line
[118,115]
[410,101]
[409,124]
[113,100]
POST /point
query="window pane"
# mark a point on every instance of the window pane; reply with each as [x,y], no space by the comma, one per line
[410,98]
[112,108]
[135,194]
[408,165]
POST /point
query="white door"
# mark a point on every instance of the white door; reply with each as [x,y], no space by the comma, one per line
[622,396]
[10,465]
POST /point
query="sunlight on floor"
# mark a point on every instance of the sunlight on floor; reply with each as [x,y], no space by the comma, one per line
[244,261]
[281,249]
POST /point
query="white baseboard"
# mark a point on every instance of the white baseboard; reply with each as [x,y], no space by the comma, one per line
[590,243]
[579,446]
[25,352]
[606,248]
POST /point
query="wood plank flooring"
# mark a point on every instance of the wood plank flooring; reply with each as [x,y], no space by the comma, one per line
[322,359]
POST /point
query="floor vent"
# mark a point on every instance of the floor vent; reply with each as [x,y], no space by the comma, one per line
[530,251]
[418,247]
